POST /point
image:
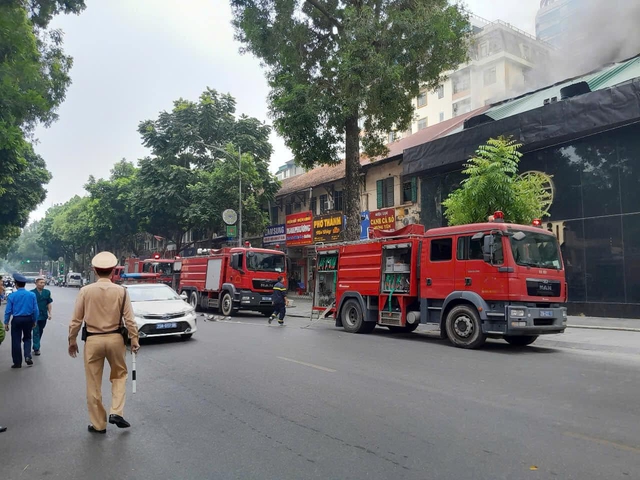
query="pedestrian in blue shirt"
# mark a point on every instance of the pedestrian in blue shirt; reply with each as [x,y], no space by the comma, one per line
[280,301]
[43,296]
[23,307]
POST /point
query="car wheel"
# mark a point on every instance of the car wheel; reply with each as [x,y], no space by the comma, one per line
[194,301]
[464,328]
[521,340]
[186,336]
[226,305]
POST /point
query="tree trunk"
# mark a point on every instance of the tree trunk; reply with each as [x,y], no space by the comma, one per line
[352,179]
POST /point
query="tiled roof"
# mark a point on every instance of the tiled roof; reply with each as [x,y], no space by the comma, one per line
[331,173]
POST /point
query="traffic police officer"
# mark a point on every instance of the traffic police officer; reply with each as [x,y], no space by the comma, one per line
[102,306]
[23,306]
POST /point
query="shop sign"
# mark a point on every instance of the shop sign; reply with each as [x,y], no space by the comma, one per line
[384,219]
[299,229]
[274,234]
[365,223]
[327,228]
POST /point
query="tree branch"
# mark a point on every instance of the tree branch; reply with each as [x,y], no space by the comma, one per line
[325,12]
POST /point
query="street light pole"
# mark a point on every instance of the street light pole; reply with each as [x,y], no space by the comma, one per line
[239,197]
[222,150]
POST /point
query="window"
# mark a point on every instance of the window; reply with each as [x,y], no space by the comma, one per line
[461,82]
[274,215]
[490,76]
[442,116]
[423,123]
[338,201]
[440,91]
[422,99]
[313,206]
[483,50]
[297,207]
[441,250]
[470,249]
[463,106]
[324,203]
[288,209]
[410,190]
[392,137]
[384,191]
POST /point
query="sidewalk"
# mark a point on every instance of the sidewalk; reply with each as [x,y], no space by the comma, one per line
[302,309]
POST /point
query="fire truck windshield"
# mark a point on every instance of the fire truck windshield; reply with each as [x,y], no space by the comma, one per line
[533,249]
[265,262]
[157,267]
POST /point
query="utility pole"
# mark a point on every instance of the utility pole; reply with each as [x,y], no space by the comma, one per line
[240,197]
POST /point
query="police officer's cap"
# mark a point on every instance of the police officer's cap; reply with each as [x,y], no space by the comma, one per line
[20,278]
[104,261]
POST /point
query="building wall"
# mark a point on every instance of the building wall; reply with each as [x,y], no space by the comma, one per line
[386,170]
[595,215]
[498,46]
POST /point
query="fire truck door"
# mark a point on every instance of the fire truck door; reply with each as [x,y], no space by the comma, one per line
[483,277]
[438,268]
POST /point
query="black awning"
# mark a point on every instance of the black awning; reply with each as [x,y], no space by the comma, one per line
[551,124]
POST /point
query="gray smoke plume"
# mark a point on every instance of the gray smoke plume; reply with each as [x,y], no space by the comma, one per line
[601,32]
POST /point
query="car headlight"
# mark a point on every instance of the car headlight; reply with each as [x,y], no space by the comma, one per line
[517,313]
[564,313]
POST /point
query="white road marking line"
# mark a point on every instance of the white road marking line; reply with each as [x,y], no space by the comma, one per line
[324,369]
[602,441]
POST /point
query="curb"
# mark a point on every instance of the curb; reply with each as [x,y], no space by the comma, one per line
[595,327]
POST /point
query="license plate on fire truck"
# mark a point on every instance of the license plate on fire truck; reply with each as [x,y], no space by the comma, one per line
[266,299]
[546,313]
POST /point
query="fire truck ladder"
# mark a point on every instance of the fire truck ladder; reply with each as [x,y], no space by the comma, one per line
[319,315]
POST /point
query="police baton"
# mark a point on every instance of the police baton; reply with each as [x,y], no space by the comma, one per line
[133,369]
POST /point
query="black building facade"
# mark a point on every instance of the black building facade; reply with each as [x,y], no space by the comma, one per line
[592,160]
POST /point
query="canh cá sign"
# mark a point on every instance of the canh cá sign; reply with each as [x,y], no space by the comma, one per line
[327,228]
[384,219]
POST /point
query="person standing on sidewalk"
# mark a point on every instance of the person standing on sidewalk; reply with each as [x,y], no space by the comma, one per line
[43,297]
[280,302]
[103,306]
[23,307]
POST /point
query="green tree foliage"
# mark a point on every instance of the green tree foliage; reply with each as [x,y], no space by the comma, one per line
[34,76]
[194,170]
[113,220]
[493,184]
[26,248]
[331,64]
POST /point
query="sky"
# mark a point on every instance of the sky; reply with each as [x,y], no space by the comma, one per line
[133,58]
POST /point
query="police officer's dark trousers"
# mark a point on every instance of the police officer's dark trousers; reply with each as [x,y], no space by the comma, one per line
[21,333]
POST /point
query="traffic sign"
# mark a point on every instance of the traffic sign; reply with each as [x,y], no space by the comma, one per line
[229,216]
[232,231]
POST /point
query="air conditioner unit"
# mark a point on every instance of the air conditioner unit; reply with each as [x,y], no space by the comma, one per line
[408,220]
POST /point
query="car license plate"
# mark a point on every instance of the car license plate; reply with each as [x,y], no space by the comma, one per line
[546,313]
[162,326]
[266,299]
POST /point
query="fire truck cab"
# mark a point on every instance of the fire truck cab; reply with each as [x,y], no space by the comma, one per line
[478,281]
[232,279]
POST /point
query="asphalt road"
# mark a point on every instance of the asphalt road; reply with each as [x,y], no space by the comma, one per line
[243,400]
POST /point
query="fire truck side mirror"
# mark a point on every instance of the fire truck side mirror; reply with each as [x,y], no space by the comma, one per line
[488,249]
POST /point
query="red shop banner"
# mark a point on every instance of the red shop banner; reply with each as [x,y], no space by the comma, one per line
[299,228]
[384,219]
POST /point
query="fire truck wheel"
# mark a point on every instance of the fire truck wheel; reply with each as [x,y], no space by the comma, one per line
[464,328]
[521,340]
[353,319]
[226,305]
[194,301]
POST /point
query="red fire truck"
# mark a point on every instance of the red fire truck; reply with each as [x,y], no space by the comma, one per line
[231,279]
[479,281]
[151,270]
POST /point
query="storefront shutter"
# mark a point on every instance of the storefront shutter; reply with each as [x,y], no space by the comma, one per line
[379,192]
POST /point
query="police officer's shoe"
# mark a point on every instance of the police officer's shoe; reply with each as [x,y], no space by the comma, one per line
[29,361]
[93,429]
[15,365]
[3,429]
[118,421]
[36,353]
